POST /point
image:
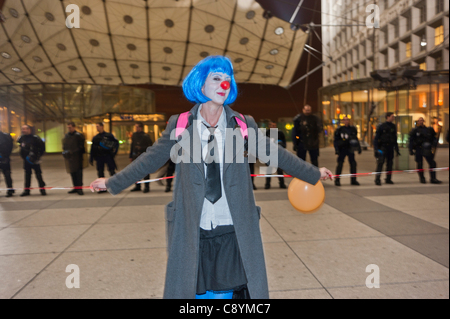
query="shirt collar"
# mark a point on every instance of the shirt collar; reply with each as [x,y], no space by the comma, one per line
[221,124]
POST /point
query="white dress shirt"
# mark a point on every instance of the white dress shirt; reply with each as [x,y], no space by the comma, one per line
[217,214]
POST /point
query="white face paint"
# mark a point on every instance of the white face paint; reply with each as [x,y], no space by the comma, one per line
[212,89]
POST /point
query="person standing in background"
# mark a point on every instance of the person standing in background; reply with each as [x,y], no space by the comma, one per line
[170,172]
[140,141]
[305,135]
[422,141]
[103,150]
[6,146]
[345,144]
[384,144]
[73,150]
[282,142]
[31,150]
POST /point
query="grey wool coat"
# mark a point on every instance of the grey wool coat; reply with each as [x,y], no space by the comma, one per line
[184,212]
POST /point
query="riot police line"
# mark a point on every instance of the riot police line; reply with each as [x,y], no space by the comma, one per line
[103,151]
[423,142]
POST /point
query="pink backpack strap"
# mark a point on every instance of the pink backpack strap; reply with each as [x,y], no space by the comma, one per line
[183,120]
[243,125]
[182,123]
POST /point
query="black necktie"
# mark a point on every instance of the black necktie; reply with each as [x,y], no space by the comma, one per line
[213,184]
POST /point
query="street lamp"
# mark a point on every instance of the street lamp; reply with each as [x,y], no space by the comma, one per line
[423,42]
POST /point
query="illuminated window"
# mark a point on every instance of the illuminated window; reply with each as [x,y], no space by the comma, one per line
[408,49]
[439,35]
[423,66]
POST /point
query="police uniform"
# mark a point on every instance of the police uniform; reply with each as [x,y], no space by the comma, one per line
[6,145]
[140,141]
[104,148]
[282,142]
[422,140]
[385,143]
[305,136]
[170,172]
[345,144]
[73,150]
[31,150]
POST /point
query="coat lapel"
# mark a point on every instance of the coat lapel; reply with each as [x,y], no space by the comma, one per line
[195,138]
[231,123]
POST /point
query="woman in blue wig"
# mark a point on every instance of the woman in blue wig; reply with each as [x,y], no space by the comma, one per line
[214,242]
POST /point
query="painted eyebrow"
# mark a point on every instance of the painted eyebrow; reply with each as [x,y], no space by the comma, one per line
[225,76]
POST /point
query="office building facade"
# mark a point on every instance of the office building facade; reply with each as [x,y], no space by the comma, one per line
[411,34]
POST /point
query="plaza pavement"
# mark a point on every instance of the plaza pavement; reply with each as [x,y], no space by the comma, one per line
[118,242]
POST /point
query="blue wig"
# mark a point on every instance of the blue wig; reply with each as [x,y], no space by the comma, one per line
[193,83]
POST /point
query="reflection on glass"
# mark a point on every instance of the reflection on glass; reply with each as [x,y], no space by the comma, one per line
[48,107]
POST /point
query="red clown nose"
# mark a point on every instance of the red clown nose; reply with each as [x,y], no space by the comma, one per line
[225,85]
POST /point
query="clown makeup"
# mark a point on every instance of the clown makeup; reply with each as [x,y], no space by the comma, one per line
[212,88]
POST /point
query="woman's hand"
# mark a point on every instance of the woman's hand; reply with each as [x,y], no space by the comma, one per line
[98,185]
[325,173]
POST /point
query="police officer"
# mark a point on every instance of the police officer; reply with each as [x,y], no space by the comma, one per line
[104,148]
[305,135]
[31,150]
[422,141]
[73,150]
[345,144]
[384,144]
[282,142]
[170,171]
[140,141]
[6,146]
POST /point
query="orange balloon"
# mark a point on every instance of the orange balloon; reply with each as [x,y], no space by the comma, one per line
[304,197]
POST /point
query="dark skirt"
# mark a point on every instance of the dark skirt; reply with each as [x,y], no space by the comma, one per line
[220,266]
